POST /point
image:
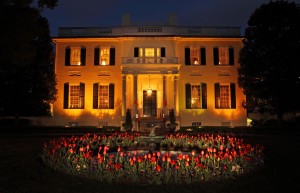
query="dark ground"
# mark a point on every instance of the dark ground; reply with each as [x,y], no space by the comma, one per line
[21,169]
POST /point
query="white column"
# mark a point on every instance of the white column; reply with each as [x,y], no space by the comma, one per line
[123,95]
[175,94]
[164,95]
[135,99]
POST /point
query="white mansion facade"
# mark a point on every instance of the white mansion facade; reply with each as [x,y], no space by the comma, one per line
[149,69]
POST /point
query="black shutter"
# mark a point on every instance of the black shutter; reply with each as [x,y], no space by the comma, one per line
[203,56]
[231,56]
[163,52]
[188,96]
[233,97]
[204,95]
[216,56]
[187,56]
[136,52]
[95,95]
[81,95]
[66,95]
[96,56]
[68,57]
[82,56]
[217,95]
[112,56]
[111,96]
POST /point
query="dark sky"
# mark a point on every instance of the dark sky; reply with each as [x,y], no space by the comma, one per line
[94,13]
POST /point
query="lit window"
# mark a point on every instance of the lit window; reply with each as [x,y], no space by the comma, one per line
[104,56]
[103,97]
[195,96]
[75,56]
[224,96]
[195,56]
[149,52]
[74,96]
[223,56]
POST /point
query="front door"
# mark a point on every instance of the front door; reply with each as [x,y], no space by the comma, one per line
[149,103]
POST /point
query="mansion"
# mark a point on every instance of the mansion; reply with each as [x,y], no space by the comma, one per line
[148,69]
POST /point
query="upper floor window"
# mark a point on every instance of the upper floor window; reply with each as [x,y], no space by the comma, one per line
[223,56]
[196,96]
[149,52]
[74,96]
[75,56]
[195,56]
[225,96]
[103,96]
[104,56]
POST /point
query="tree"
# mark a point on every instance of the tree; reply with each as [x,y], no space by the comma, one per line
[27,79]
[269,60]
[128,121]
[172,119]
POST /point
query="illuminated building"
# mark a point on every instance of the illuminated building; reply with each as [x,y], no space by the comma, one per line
[149,69]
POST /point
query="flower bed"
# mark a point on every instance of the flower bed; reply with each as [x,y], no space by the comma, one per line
[115,158]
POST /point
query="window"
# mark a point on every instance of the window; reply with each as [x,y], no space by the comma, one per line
[149,55]
[104,56]
[75,56]
[103,96]
[149,52]
[196,96]
[74,96]
[195,56]
[223,56]
[225,96]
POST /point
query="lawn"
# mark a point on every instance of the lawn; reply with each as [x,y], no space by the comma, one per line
[23,171]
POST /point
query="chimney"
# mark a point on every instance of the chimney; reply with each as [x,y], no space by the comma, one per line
[126,19]
[172,19]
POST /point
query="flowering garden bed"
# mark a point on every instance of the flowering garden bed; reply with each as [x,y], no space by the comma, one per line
[118,158]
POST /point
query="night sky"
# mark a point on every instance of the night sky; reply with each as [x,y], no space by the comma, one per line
[96,13]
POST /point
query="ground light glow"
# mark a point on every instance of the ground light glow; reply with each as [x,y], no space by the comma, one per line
[115,158]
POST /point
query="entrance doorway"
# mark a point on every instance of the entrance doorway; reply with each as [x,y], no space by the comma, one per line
[149,103]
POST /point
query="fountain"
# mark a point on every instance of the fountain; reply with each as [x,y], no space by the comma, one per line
[152,139]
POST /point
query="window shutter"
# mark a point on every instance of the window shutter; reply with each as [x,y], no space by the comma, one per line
[217,95]
[188,96]
[163,52]
[233,97]
[203,56]
[111,96]
[95,95]
[66,95]
[204,95]
[216,56]
[231,56]
[187,56]
[112,55]
[81,95]
[136,52]
[82,56]
[96,56]
[68,57]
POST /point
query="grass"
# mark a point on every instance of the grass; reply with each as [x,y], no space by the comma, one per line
[22,170]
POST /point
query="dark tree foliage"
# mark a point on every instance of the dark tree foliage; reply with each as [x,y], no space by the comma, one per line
[269,70]
[27,79]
